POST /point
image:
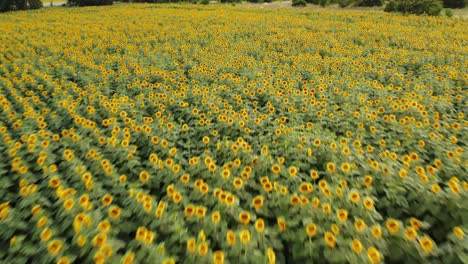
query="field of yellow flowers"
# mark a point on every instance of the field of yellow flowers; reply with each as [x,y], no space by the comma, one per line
[220,134]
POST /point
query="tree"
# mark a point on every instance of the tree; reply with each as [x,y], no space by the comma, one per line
[7,5]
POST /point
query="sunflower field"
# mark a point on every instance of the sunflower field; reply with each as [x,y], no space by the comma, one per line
[142,133]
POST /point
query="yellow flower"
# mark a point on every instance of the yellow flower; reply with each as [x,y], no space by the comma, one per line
[345,167]
[342,215]
[281,223]
[354,197]
[311,229]
[271,256]
[114,212]
[356,245]
[276,168]
[129,258]
[36,210]
[314,174]
[330,239]
[244,217]
[54,182]
[244,236]
[141,233]
[63,260]
[46,234]
[359,225]
[415,223]
[106,199]
[458,232]
[191,245]
[149,237]
[99,240]
[42,221]
[260,225]
[368,203]
[410,233]
[292,171]
[69,204]
[426,244]
[392,226]
[168,261]
[54,247]
[81,241]
[201,211]
[203,249]
[215,217]
[376,231]
[257,202]
[231,238]
[144,177]
[326,208]
[189,210]
[373,255]
[218,257]
[331,167]
[12,241]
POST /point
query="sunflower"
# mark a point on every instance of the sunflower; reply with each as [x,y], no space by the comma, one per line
[260,225]
[376,231]
[46,234]
[373,255]
[393,226]
[426,244]
[330,239]
[54,247]
[257,202]
[191,245]
[245,236]
[144,177]
[244,217]
[458,232]
[292,171]
[356,246]
[202,249]
[342,215]
[218,257]
[311,229]
[63,260]
[215,217]
[368,203]
[281,223]
[276,168]
[114,212]
[231,238]
[410,233]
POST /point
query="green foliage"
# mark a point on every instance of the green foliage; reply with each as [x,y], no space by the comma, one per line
[345,3]
[90,2]
[369,2]
[448,12]
[7,5]
[324,3]
[230,1]
[204,2]
[455,3]
[417,7]
[35,4]
[299,3]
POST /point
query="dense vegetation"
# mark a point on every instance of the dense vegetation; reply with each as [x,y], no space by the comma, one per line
[215,134]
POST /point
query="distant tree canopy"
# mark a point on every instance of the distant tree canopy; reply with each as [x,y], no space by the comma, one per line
[455,3]
[89,2]
[8,5]
[344,3]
